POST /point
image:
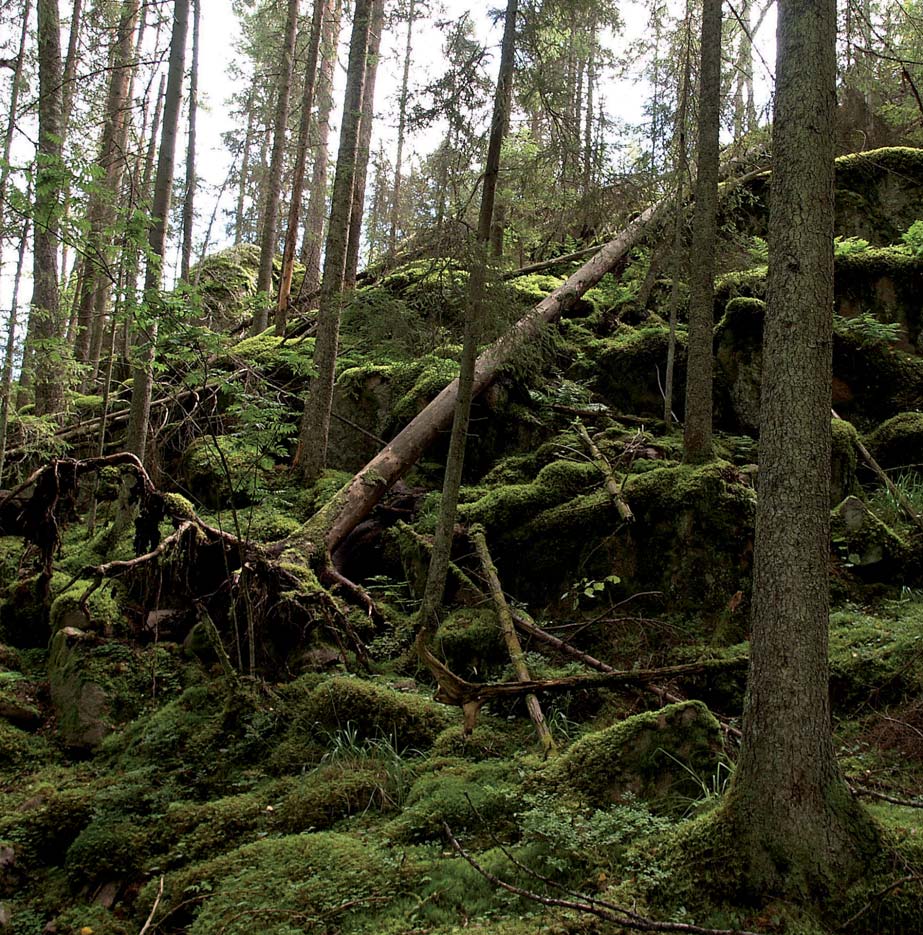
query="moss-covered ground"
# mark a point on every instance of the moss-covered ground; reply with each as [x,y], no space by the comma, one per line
[278,762]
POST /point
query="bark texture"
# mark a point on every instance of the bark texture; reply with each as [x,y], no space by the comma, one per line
[799,828]
[699,367]
[274,183]
[315,426]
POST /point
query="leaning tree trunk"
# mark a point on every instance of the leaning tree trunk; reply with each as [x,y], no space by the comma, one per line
[798,831]
[315,425]
[139,420]
[274,183]
[357,499]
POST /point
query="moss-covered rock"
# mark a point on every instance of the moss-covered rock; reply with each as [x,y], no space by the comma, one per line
[738,358]
[286,361]
[876,657]
[692,539]
[285,882]
[898,442]
[631,370]
[867,545]
[660,756]
[843,460]
[98,684]
[469,640]
[467,796]
[100,613]
[375,711]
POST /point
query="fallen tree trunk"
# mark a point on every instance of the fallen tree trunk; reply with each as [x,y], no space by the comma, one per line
[357,499]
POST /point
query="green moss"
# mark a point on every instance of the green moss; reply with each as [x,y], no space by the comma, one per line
[866,544]
[843,460]
[226,468]
[531,289]
[467,796]
[105,850]
[177,505]
[292,360]
[876,657]
[750,284]
[488,740]
[21,749]
[285,883]
[511,504]
[898,442]
[375,711]
[431,379]
[105,612]
[660,756]
[469,640]
[266,523]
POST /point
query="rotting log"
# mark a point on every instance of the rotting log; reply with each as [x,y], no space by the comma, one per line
[357,499]
[514,647]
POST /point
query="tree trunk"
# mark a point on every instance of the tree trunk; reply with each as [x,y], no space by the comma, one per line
[477,280]
[401,130]
[244,169]
[315,426]
[68,93]
[798,828]
[365,143]
[191,181]
[357,498]
[6,385]
[47,345]
[697,436]
[301,158]
[274,183]
[101,208]
[317,203]
[136,440]
[681,169]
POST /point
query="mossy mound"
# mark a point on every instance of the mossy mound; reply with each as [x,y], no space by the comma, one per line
[101,612]
[660,756]
[467,796]
[470,641]
[691,539]
[898,442]
[99,684]
[274,356]
[876,657]
[374,712]
[843,460]
[286,883]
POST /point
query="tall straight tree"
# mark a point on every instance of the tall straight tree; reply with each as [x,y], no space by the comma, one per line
[697,436]
[796,825]
[191,181]
[401,128]
[317,201]
[96,276]
[301,159]
[315,425]
[268,235]
[139,417]
[44,323]
[363,152]
[455,460]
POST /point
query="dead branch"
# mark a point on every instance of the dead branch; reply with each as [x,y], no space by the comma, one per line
[513,645]
[599,908]
[602,463]
[875,897]
[150,918]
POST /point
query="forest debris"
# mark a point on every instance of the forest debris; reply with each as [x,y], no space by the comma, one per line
[602,462]
[509,635]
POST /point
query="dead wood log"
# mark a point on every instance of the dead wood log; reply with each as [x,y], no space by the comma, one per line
[602,463]
[357,499]
[513,645]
